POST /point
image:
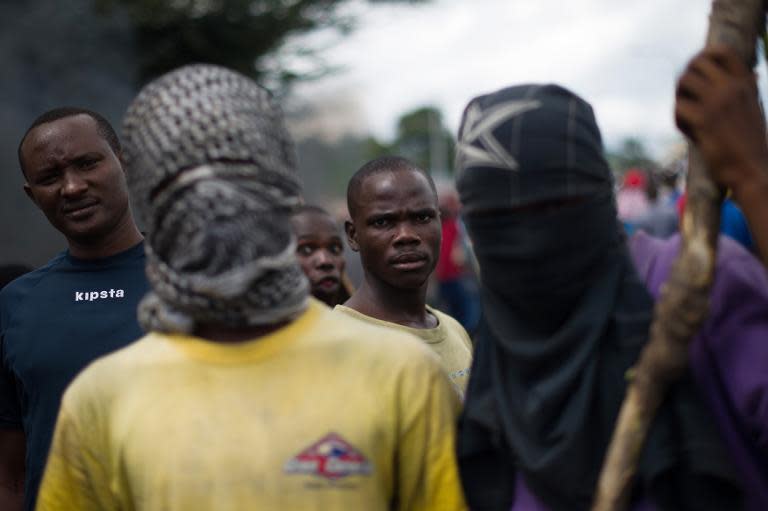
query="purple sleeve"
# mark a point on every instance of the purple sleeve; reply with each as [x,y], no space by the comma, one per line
[729,357]
[736,335]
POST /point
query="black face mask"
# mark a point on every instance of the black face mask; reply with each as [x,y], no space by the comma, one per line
[565,315]
[541,261]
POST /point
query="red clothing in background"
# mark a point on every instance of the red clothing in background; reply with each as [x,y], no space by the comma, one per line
[447,267]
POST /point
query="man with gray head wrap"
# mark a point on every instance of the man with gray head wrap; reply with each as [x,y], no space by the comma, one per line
[212,172]
[291,402]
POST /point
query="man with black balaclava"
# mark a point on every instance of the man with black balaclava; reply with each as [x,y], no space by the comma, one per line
[567,306]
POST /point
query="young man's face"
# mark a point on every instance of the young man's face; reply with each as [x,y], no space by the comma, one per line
[321,254]
[396,228]
[75,178]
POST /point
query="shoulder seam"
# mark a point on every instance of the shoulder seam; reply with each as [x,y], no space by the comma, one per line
[43,271]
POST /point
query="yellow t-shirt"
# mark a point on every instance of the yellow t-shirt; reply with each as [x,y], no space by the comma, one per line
[324,414]
[448,339]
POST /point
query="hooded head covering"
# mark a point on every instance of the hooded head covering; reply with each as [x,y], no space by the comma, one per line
[211,171]
[529,144]
[565,315]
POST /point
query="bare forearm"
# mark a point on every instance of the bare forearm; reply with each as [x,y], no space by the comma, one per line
[717,107]
[752,198]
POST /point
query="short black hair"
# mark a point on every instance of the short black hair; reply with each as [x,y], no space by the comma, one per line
[103,126]
[375,166]
[311,209]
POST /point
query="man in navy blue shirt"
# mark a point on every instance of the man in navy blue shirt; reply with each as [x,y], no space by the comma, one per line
[82,304]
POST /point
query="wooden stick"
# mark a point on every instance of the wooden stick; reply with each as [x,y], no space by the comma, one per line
[684,301]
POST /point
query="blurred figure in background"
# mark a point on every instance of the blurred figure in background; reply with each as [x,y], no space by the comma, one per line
[734,224]
[321,254]
[454,265]
[660,220]
[632,198]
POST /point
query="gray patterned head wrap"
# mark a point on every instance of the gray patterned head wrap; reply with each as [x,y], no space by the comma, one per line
[211,170]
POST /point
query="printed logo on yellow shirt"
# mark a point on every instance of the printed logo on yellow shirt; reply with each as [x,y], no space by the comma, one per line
[331,457]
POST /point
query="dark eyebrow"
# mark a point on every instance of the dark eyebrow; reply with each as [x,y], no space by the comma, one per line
[386,215]
[45,173]
[48,169]
[86,157]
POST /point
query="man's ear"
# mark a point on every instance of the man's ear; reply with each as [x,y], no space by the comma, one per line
[121,158]
[28,191]
[349,228]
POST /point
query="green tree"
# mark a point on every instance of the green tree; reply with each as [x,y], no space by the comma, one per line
[373,148]
[631,153]
[422,138]
[238,34]
[325,167]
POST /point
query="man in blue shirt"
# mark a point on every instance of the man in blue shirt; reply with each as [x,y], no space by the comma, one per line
[82,304]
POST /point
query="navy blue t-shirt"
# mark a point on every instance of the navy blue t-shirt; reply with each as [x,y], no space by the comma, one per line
[53,322]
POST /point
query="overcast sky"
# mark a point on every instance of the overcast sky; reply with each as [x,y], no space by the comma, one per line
[621,55]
